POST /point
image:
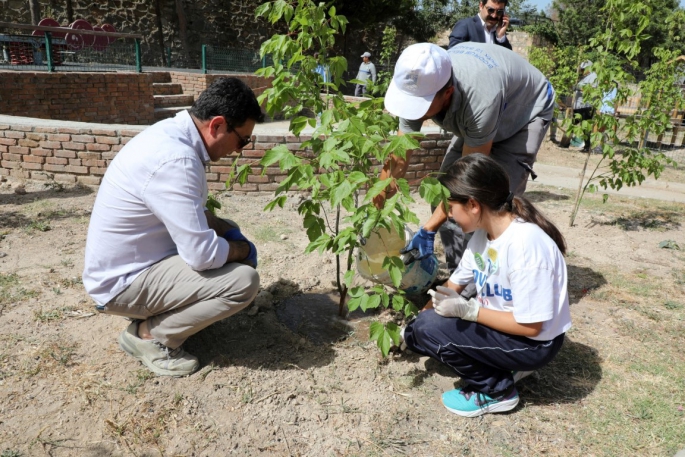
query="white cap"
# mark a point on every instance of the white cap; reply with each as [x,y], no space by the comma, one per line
[421,71]
[366,54]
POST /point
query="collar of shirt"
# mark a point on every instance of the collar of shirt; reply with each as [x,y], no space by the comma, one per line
[488,33]
[185,122]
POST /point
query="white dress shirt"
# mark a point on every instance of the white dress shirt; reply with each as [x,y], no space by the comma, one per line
[150,206]
[491,34]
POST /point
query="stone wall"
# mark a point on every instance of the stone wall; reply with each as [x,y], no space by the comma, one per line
[521,42]
[120,98]
[75,152]
[222,23]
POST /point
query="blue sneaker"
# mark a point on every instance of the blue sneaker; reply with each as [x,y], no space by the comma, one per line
[469,403]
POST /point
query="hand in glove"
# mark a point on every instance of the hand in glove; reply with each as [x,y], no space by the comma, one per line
[454,305]
[252,256]
[235,235]
[420,247]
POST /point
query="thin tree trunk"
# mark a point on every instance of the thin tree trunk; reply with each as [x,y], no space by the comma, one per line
[34,7]
[160,32]
[183,28]
[70,12]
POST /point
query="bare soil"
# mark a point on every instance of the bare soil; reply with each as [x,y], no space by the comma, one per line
[286,376]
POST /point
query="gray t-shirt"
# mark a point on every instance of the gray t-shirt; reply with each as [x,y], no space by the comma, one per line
[496,94]
[367,71]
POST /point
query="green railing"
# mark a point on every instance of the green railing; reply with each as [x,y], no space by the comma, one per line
[232,60]
[64,49]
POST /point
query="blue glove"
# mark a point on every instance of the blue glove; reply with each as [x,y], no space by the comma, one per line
[234,235]
[420,247]
[251,258]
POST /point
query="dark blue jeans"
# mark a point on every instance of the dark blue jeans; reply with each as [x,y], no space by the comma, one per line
[481,356]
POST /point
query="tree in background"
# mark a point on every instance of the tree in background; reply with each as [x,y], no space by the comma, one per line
[624,69]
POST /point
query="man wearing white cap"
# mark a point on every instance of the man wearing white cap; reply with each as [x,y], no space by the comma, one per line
[492,99]
[367,70]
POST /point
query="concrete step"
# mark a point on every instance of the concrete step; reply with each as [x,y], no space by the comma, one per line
[169,111]
[160,76]
[162,101]
[167,89]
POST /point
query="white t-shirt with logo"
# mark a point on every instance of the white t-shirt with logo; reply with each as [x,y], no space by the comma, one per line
[522,272]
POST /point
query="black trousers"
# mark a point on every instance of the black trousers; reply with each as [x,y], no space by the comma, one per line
[481,356]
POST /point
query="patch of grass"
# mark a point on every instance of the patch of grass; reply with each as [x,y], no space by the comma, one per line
[10,453]
[266,233]
[38,225]
[67,263]
[52,314]
[142,375]
[11,290]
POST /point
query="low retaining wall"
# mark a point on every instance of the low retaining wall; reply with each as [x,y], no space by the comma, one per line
[73,152]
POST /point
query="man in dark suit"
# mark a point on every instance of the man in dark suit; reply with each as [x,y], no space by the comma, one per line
[488,26]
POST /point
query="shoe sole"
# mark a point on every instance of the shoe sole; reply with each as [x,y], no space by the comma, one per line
[155,369]
[499,407]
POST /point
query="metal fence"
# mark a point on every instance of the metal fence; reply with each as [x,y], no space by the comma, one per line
[65,49]
[233,60]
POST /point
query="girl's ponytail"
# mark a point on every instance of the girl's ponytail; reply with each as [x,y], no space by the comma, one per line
[523,209]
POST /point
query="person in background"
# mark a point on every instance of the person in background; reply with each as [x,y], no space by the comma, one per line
[518,321]
[154,253]
[490,98]
[367,70]
[488,26]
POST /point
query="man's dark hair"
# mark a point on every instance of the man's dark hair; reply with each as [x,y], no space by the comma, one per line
[499,2]
[230,98]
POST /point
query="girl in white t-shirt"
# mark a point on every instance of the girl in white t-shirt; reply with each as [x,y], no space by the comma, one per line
[518,319]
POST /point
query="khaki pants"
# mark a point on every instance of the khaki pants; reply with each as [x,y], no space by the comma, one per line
[178,302]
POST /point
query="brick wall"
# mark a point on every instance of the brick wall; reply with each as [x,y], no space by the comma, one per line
[195,83]
[73,152]
[119,98]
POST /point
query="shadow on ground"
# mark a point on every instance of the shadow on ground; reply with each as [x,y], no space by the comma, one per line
[51,190]
[582,280]
[299,334]
[662,220]
[538,196]
[572,375]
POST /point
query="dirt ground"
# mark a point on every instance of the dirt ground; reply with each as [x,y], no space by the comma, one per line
[286,376]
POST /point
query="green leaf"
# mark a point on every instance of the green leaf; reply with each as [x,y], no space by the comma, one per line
[377,188]
[395,269]
[349,277]
[282,155]
[379,334]
[280,201]
[341,191]
[374,302]
[432,191]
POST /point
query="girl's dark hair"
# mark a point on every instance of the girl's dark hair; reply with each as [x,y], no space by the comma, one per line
[230,98]
[481,178]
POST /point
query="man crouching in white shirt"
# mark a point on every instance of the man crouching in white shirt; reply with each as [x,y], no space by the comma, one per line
[154,252]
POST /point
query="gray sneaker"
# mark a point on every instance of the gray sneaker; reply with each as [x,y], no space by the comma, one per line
[160,359]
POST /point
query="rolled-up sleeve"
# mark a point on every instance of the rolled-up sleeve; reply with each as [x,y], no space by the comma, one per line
[175,195]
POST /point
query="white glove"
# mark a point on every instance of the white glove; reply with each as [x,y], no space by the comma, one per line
[458,307]
[442,293]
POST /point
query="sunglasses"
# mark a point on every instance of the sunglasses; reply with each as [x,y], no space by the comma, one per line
[497,12]
[243,141]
